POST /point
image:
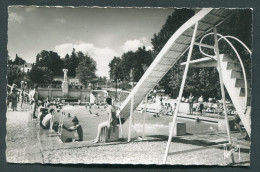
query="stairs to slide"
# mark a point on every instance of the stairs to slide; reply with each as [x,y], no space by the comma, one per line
[234,82]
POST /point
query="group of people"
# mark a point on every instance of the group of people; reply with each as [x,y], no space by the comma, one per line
[199,106]
[167,109]
[14,96]
[46,117]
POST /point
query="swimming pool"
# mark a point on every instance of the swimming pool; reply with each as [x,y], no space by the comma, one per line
[154,125]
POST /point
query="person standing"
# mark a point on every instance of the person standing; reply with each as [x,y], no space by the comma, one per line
[161,99]
[14,97]
[8,99]
[201,102]
[22,94]
[191,97]
[35,96]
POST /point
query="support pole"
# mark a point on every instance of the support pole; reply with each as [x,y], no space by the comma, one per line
[145,109]
[61,123]
[120,123]
[222,88]
[180,93]
[131,118]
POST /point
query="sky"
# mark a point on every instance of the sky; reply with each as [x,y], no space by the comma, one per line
[101,33]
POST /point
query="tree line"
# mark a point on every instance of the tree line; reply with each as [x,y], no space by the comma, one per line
[49,64]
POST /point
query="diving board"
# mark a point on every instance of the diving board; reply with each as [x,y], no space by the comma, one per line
[176,46]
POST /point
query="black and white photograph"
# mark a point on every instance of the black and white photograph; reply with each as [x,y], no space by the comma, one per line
[128,85]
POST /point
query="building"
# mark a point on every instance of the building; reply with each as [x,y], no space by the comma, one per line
[26,67]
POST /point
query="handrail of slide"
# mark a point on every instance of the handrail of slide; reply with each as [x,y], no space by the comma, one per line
[238,56]
[197,17]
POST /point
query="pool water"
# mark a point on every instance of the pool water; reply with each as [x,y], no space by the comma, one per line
[153,126]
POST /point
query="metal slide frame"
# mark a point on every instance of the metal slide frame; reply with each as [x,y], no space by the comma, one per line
[216,48]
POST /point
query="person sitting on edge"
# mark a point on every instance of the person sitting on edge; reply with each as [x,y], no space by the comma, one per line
[78,131]
[45,120]
[111,111]
[42,114]
[41,106]
[169,109]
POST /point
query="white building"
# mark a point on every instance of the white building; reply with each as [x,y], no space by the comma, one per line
[27,67]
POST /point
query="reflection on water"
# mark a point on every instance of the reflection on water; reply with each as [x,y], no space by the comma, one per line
[154,125]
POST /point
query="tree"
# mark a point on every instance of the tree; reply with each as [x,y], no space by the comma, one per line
[14,75]
[74,62]
[116,71]
[136,61]
[41,75]
[51,60]
[66,61]
[172,24]
[9,60]
[86,70]
[18,60]
[71,62]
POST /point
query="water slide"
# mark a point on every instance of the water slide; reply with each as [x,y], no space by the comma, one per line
[176,46]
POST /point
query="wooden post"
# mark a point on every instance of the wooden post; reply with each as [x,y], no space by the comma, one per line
[222,88]
[180,93]
[131,118]
[145,108]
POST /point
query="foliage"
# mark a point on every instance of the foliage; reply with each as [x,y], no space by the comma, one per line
[51,60]
[137,62]
[71,62]
[116,70]
[40,75]
[125,85]
[172,24]
[86,70]
[18,60]
[14,74]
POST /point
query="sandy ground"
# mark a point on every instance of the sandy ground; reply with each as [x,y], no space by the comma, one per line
[16,136]
[142,153]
